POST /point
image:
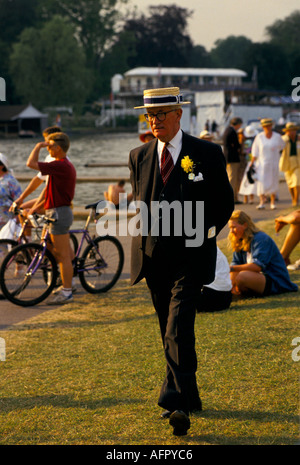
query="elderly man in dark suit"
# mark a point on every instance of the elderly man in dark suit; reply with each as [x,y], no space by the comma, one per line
[182,184]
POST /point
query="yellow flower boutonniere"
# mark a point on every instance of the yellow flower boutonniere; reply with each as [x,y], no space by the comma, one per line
[187,164]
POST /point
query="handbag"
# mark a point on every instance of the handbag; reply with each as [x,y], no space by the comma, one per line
[10,230]
[251,175]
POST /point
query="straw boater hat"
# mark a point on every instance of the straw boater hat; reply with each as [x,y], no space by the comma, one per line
[205,135]
[163,97]
[266,122]
[291,127]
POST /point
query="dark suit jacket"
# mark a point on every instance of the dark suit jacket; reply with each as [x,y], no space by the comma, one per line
[214,190]
[231,145]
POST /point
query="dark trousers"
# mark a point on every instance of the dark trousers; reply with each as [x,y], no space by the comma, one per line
[175,290]
[211,300]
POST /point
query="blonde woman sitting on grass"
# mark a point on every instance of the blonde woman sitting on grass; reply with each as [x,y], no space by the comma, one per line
[257,266]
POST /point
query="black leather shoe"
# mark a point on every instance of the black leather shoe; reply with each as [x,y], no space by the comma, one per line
[180,422]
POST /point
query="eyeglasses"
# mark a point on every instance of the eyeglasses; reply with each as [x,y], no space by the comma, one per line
[161,115]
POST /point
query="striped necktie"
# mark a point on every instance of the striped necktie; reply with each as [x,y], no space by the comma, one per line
[167,164]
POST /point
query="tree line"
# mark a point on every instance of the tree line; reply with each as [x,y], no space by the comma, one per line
[61,52]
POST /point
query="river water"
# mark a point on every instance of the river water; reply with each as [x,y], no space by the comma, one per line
[96,148]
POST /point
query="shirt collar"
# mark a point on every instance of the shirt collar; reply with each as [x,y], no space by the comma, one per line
[175,143]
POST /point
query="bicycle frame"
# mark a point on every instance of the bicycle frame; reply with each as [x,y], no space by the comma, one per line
[38,266]
[45,238]
[85,235]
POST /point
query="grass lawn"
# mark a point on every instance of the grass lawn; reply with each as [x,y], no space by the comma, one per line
[90,373]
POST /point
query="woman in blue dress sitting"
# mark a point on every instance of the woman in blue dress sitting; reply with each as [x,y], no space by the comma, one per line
[257,266]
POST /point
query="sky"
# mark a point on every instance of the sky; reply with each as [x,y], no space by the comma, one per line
[217,19]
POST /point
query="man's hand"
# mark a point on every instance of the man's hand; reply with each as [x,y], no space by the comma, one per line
[33,158]
[13,206]
[43,144]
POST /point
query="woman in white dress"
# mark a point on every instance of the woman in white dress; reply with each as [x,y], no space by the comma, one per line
[266,150]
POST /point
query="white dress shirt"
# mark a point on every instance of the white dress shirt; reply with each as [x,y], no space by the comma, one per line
[174,147]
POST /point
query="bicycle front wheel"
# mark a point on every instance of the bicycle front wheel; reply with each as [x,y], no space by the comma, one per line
[101,264]
[27,276]
[73,242]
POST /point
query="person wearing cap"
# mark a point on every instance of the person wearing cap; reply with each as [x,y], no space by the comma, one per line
[266,150]
[177,168]
[289,161]
[10,189]
[232,152]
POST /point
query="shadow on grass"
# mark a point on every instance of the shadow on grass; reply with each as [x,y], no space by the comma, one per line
[224,440]
[248,415]
[82,323]
[245,416]
[264,303]
[9,404]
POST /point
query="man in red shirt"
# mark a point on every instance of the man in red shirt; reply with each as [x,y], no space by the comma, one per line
[59,193]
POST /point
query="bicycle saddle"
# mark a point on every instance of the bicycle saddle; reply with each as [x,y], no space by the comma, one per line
[92,205]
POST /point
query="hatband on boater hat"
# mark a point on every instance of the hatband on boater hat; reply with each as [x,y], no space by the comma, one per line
[163,97]
[266,122]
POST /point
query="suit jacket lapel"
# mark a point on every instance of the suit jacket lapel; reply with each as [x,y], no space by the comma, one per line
[148,173]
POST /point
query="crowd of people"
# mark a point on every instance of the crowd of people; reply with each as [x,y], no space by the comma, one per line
[255,159]
[253,162]
[266,152]
[248,155]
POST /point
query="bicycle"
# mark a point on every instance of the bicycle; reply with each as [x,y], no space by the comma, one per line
[29,271]
[21,238]
[6,245]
